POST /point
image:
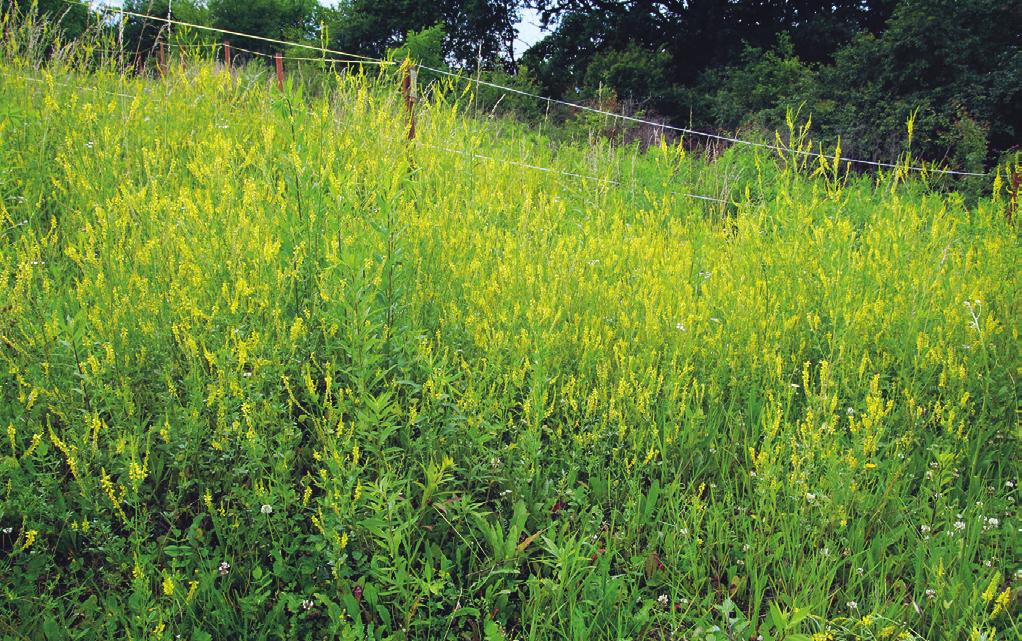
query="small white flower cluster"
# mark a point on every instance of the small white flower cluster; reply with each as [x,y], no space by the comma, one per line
[990,523]
[266,509]
[224,568]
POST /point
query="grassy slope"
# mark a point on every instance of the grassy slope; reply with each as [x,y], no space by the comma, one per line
[482,398]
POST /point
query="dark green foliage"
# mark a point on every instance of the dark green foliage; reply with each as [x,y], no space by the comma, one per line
[141,35]
[477,30]
[70,19]
[425,47]
[859,68]
[280,19]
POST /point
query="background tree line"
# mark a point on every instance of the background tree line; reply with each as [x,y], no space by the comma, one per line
[860,68]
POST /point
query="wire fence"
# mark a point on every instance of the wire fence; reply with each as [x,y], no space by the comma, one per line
[459,75]
[607,181]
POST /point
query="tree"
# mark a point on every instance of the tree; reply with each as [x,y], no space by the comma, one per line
[142,34]
[861,67]
[474,29]
[291,20]
[953,60]
[71,19]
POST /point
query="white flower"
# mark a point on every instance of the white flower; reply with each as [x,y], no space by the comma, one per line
[810,497]
[852,605]
[307,604]
[266,508]
[680,327]
[993,521]
[662,600]
[924,528]
[224,568]
[959,525]
[930,593]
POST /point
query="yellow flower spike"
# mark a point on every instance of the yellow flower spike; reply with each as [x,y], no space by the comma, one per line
[30,537]
[168,585]
[991,591]
[1001,604]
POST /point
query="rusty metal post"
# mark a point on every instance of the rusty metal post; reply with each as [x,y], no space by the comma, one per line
[227,55]
[162,60]
[408,91]
[279,59]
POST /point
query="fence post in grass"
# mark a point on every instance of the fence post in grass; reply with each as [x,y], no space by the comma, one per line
[279,59]
[227,55]
[162,60]
[408,91]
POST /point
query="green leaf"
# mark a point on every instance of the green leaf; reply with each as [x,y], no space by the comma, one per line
[52,629]
[777,617]
[651,501]
[492,631]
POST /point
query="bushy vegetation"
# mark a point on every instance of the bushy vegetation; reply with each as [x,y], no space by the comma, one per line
[270,370]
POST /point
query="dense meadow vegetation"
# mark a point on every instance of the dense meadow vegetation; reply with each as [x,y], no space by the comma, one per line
[269,370]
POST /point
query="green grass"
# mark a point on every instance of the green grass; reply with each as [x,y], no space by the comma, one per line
[268,370]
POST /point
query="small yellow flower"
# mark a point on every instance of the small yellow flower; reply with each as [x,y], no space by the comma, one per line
[29,539]
[168,586]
